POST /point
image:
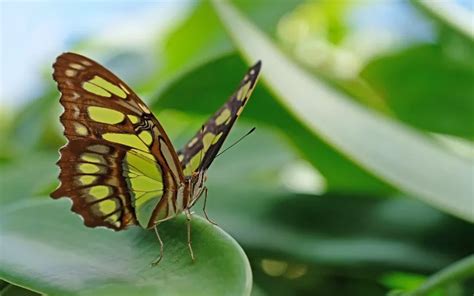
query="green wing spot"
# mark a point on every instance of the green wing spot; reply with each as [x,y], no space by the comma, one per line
[101,82]
[92,88]
[105,115]
[130,140]
[193,164]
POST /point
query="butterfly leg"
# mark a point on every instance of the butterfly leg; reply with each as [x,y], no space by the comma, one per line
[204,208]
[188,219]
[157,260]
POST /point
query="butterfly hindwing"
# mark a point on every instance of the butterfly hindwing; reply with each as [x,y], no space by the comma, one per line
[201,150]
[136,173]
[91,175]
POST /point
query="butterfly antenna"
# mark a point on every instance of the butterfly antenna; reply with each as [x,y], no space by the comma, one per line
[237,142]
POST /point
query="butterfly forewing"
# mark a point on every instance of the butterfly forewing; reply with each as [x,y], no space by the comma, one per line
[201,150]
[119,166]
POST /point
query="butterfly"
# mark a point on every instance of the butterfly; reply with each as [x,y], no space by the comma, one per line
[119,166]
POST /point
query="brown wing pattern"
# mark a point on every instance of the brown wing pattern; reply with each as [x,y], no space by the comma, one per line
[91,175]
[201,150]
[105,122]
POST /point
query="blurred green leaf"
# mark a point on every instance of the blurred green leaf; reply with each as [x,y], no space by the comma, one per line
[427,89]
[402,281]
[306,279]
[35,127]
[456,272]
[37,170]
[340,231]
[419,166]
[46,248]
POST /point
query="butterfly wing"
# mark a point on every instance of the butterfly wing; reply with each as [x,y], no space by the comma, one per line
[119,166]
[201,150]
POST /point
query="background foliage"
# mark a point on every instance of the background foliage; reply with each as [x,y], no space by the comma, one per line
[312,216]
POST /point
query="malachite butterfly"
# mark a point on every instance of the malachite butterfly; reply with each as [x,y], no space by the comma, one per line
[119,166]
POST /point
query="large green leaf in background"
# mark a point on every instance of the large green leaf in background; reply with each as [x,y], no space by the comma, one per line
[46,248]
[34,126]
[427,88]
[397,154]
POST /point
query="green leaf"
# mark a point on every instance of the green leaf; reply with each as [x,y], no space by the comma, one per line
[28,176]
[35,127]
[46,248]
[402,280]
[456,272]
[426,88]
[397,154]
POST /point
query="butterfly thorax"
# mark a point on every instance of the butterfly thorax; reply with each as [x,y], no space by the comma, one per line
[197,181]
[187,194]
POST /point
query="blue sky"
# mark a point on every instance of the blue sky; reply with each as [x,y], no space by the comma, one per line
[33,33]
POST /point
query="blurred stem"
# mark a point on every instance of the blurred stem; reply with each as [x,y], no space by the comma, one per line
[453,273]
